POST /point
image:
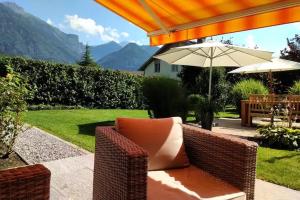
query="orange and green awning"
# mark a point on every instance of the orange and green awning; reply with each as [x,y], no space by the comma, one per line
[169,21]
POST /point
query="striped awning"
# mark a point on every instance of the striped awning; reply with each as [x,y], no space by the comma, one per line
[169,21]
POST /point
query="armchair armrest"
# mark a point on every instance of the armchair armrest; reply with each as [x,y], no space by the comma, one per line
[29,182]
[120,170]
[229,158]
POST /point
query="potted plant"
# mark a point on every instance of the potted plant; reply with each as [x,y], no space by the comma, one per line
[204,109]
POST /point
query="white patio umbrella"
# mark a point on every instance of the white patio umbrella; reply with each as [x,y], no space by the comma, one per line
[276,65]
[214,54]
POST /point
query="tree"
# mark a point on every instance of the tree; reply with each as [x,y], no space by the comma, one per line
[291,52]
[86,59]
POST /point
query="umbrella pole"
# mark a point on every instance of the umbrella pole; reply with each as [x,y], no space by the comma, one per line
[209,86]
[210,76]
[271,82]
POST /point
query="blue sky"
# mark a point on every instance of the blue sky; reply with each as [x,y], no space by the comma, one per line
[96,25]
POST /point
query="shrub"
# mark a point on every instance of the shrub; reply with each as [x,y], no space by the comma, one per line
[165,97]
[295,89]
[203,108]
[72,85]
[243,89]
[12,104]
[280,137]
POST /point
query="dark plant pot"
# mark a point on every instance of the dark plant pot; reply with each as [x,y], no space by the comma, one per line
[207,120]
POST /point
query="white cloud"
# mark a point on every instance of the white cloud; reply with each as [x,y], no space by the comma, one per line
[250,43]
[125,34]
[49,21]
[90,27]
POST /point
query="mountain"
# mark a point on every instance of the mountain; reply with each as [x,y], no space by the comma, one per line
[22,34]
[151,50]
[102,50]
[124,43]
[130,57]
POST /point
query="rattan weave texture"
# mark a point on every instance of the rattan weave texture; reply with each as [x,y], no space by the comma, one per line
[120,170]
[25,183]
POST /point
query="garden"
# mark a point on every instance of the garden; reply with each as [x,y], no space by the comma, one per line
[69,101]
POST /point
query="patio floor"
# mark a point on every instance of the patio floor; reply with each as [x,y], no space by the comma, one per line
[72,178]
[233,127]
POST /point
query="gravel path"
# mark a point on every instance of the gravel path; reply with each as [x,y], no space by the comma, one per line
[36,146]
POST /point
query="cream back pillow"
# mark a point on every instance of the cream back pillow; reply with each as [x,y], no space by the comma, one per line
[161,138]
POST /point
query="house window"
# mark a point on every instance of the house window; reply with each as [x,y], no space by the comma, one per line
[174,68]
[157,66]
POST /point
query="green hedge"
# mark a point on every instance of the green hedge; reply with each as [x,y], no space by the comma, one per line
[72,85]
[165,97]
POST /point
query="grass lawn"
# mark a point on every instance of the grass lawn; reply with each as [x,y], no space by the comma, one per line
[279,166]
[227,115]
[230,112]
[77,126]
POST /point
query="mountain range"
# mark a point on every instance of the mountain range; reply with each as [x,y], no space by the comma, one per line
[22,34]
[130,57]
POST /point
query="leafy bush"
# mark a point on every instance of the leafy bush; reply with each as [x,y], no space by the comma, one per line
[165,97]
[295,89]
[196,80]
[72,85]
[12,104]
[280,137]
[203,108]
[243,89]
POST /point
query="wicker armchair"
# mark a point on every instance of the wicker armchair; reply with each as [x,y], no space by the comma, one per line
[121,166]
[25,183]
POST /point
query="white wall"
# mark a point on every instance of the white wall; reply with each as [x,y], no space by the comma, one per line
[165,70]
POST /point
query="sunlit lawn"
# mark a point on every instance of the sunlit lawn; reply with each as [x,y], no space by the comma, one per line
[279,166]
[77,126]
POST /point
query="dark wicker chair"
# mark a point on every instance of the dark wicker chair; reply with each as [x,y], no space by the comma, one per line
[121,166]
[25,183]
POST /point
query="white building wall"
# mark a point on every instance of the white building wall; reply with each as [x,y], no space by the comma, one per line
[165,70]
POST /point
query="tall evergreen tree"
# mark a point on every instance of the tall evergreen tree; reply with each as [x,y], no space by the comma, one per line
[86,59]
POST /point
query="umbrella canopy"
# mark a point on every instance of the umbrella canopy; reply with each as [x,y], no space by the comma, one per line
[214,54]
[276,65]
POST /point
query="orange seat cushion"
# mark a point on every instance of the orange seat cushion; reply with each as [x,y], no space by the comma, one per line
[161,138]
[190,183]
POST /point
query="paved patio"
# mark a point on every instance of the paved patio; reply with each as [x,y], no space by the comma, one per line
[233,127]
[72,179]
